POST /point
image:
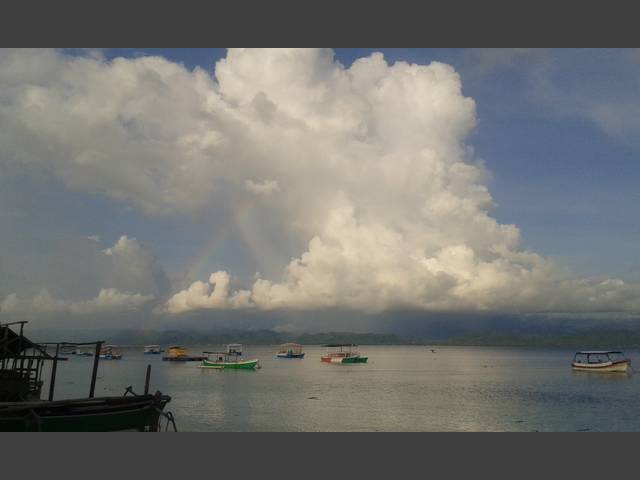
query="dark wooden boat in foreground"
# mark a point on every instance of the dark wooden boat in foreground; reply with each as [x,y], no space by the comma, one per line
[21,409]
[99,414]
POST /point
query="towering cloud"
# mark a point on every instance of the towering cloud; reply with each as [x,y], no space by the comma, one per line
[199,296]
[369,166]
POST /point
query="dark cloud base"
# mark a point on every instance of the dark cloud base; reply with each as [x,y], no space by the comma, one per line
[407,326]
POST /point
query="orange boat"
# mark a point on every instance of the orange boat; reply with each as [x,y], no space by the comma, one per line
[108,352]
[343,353]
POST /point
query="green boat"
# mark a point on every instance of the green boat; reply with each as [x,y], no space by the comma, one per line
[343,353]
[356,359]
[229,359]
[241,364]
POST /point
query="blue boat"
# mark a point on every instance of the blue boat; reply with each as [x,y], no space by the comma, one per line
[290,350]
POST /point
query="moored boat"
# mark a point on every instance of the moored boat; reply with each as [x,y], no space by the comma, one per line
[224,361]
[109,352]
[343,353]
[231,358]
[152,349]
[98,414]
[604,361]
[290,350]
[178,353]
[22,409]
[68,350]
[82,352]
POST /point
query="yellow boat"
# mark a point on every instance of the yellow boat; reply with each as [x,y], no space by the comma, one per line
[178,353]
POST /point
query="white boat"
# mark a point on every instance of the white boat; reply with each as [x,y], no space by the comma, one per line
[605,361]
[152,349]
[82,352]
[108,352]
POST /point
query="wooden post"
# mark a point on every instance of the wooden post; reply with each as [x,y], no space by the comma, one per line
[146,381]
[5,336]
[20,349]
[54,367]
[94,375]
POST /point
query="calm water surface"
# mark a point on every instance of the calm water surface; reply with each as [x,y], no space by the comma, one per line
[402,388]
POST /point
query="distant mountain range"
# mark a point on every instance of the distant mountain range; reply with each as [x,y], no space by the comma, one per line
[584,341]
[259,337]
[579,335]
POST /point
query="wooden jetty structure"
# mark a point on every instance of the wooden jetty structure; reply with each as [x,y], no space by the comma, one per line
[21,408]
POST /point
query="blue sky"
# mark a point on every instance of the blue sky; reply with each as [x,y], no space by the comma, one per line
[556,130]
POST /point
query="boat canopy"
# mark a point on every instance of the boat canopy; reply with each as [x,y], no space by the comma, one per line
[177,351]
[598,356]
[598,352]
[222,356]
[234,349]
[290,347]
[152,346]
[342,348]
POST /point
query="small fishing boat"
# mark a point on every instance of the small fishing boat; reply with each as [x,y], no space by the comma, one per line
[601,361]
[231,358]
[290,350]
[152,349]
[68,350]
[178,353]
[343,353]
[108,352]
[82,352]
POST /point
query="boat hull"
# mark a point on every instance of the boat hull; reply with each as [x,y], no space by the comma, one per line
[239,365]
[106,414]
[110,357]
[290,355]
[344,360]
[606,367]
[183,359]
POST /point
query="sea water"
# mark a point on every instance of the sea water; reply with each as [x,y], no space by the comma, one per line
[401,388]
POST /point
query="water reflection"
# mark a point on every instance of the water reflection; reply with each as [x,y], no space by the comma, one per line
[406,388]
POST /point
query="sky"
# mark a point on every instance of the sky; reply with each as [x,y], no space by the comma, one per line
[147,187]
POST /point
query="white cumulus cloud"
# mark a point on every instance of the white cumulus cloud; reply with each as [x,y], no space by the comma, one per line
[213,295]
[371,163]
[78,276]
[108,300]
